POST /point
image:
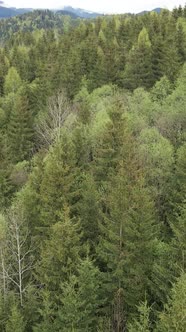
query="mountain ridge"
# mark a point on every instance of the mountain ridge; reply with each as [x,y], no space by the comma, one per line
[156,10]
[7,12]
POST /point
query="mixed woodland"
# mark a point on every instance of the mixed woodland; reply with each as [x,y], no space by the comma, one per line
[93,173]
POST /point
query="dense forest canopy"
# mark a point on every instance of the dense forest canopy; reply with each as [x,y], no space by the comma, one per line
[93,173]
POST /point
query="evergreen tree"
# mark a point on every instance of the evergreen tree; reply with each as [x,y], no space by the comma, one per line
[15,321]
[60,253]
[4,64]
[143,324]
[181,43]
[127,245]
[173,318]
[158,57]
[12,81]
[161,90]
[89,212]
[60,181]
[20,131]
[138,71]
[80,300]
[178,226]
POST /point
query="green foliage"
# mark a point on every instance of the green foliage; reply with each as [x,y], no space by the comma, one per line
[143,325]
[60,254]
[80,300]
[138,70]
[179,247]
[92,172]
[173,318]
[20,131]
[12,81]
[15,321]
[161,90]
[59,179]
[127,244]
[90,213]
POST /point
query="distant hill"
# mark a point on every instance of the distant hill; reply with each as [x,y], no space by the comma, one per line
[10,12]
[157,10]
[67,13]
[7,12]
[67,10]
[81,12]
[74,13]
[34,20]
[20,11]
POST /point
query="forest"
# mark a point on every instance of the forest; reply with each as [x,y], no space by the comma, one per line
[93,173]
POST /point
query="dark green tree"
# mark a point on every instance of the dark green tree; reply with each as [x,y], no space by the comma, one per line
[138,70]
[20,131]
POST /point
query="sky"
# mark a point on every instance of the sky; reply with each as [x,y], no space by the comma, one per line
[105,6]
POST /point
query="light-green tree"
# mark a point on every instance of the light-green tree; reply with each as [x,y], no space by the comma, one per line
[60,253]
[15,321]
[12,81]
[143,323]
[174,316]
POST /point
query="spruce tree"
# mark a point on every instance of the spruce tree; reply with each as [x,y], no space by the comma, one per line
[20,131]
[178,226]
[181,43]
[138,71]
[127,244]
[143,323]
[80,300]
[90,213]
[60,253]
[12,81]
[15,321]
[60,180]
[174,316]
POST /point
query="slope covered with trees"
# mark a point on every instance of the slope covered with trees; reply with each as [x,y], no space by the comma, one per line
[93,176]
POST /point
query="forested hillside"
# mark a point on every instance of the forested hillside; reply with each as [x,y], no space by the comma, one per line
[37,20]
[10,12]
[93,174]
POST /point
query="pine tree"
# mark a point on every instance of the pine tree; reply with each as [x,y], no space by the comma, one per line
[158,61]
[138,71]
[114,144]
[127,245]
[12,81]
[184,11]
[174,316]
[143,324]
[47,313]
[181,43]
[180,11]
[60,181]
[80,300]
[60,253]
[161,90]
[20,131]
[15,321]
[179,177]
[89,212]
[178,226]
[4,65]
[171,62]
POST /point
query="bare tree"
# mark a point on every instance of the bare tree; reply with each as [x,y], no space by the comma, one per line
[17,259]
[49,124]
[2,255]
